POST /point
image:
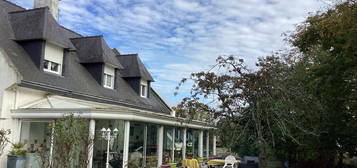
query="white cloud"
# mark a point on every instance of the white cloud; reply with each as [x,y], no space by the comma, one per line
[177,37]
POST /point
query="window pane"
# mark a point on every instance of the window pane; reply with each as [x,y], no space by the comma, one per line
[116,145]
[143,90]
[136,145]
[45,64]
[205,145]
[168,145]
[54,67]
[178,144]
[109,80]
[211,145]
[105,79]
[192,143]
[151,147]
[37,136]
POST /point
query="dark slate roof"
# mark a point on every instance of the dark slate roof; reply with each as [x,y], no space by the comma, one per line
[38,24]
[133,67]
[10,7]
[95,50]
[76,82]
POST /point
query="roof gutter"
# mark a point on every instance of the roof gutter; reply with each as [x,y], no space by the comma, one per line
[106,114]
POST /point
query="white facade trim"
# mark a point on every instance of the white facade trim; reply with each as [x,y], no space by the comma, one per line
[214,145]
[104,114]
[91,137]
[126,143]
[200,144]
[184,143]
[160,144]
[207,145]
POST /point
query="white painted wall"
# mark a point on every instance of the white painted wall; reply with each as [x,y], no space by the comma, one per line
[7,100]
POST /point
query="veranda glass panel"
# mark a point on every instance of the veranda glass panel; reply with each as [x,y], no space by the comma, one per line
[167,155]
[189,143]
[195,143]
[178,145]
[136,145]
[211,145]
[204,143]
[116,144]
[37,137]
[151,147]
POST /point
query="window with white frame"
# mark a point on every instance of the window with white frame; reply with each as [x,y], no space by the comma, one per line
[109,76]
[108,81]
[52,67]
[143,88]
[53,59]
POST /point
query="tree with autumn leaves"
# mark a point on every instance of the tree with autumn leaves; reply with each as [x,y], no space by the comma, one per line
[298,105]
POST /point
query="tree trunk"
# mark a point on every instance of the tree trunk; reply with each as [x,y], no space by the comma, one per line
[263,155]
[340,159]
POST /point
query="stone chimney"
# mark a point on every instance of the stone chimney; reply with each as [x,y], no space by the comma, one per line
[51,4]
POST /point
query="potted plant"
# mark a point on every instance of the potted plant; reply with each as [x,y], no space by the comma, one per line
[16,158]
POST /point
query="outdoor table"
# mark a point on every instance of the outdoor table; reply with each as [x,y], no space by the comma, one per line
[218,162]
[191,163]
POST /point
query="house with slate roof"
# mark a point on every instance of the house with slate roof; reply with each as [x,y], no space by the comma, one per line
[48,71]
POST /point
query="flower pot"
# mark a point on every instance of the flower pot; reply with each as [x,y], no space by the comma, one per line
[33,160]
[16,161]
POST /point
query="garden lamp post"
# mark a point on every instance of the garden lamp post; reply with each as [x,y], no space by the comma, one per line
[107,136]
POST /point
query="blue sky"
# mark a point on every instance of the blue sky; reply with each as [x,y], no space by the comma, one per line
[177,37]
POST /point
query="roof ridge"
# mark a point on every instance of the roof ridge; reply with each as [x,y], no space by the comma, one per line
[134,54]
[29,10]
[11,3]
[87,37]
[71,31]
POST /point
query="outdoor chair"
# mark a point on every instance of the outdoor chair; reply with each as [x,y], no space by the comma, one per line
[229,161]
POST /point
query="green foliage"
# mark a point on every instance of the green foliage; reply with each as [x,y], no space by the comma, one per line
[4,139]
[18,149]
[193,110]
[251,106]
[329,56]
[71,143]
[299,105]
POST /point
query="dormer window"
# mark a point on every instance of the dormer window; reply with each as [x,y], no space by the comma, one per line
[53,59]
[108,81]
[109,76]
[52,67]
[143,88]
